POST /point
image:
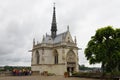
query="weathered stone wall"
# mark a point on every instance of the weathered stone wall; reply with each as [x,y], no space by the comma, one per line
[56,69]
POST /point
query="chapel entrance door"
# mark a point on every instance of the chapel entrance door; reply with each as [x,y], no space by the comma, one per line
[71,61]
[70,69]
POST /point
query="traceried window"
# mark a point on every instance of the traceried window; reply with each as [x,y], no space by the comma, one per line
[37,57]
[42,51]
[68,40]
[55,57]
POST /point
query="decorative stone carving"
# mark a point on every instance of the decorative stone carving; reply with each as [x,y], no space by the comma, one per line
[70,57]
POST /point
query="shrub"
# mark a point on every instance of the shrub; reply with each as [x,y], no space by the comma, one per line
[51,74]
[86,74]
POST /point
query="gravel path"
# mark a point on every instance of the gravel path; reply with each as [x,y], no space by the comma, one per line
[42,78]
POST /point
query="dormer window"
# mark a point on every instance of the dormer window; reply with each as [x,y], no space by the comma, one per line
[68,40]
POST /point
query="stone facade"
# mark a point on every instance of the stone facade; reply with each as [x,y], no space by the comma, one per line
[57,53]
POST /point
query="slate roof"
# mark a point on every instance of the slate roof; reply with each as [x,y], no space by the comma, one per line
[59,38]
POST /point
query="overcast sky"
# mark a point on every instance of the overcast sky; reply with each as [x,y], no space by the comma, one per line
[23,20]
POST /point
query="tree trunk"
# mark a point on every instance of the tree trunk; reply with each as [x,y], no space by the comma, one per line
[103,70]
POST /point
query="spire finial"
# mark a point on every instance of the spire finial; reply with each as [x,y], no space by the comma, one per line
[33,42]
[68,28]
[46,34]
[75,40]
[43,39]
[54,4]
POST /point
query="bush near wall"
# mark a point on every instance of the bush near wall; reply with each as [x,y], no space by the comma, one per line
[87,74]
[107,76]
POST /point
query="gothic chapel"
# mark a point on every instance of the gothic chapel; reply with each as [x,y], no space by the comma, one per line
[57,53]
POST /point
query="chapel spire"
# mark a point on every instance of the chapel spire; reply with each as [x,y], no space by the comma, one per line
[54,25]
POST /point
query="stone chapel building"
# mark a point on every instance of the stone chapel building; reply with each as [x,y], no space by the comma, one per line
[57,53]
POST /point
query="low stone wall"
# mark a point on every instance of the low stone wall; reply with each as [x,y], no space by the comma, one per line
[56,69]
[35,73]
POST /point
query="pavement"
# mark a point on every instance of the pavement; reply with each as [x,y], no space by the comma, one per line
[42,78]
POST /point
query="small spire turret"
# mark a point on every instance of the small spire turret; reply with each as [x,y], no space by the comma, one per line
[43,39]
[33,42]
[68,28]
[75,40]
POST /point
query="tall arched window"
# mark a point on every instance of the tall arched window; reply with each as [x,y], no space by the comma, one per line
[37,57]
[55,57]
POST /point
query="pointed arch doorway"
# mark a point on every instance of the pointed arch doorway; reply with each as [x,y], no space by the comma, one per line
[71,61]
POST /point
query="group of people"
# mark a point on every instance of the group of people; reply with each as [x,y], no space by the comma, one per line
[21,72]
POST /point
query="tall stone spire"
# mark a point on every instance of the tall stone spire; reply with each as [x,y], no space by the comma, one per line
[54,25]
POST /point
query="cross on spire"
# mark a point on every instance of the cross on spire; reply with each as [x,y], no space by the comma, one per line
[54,4]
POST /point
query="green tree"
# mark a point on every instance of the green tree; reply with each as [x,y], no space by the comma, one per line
[8,68]
[104,48]
[82,67]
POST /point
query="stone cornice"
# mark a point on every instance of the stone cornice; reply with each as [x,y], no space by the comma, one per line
[57,47]
[47,64]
